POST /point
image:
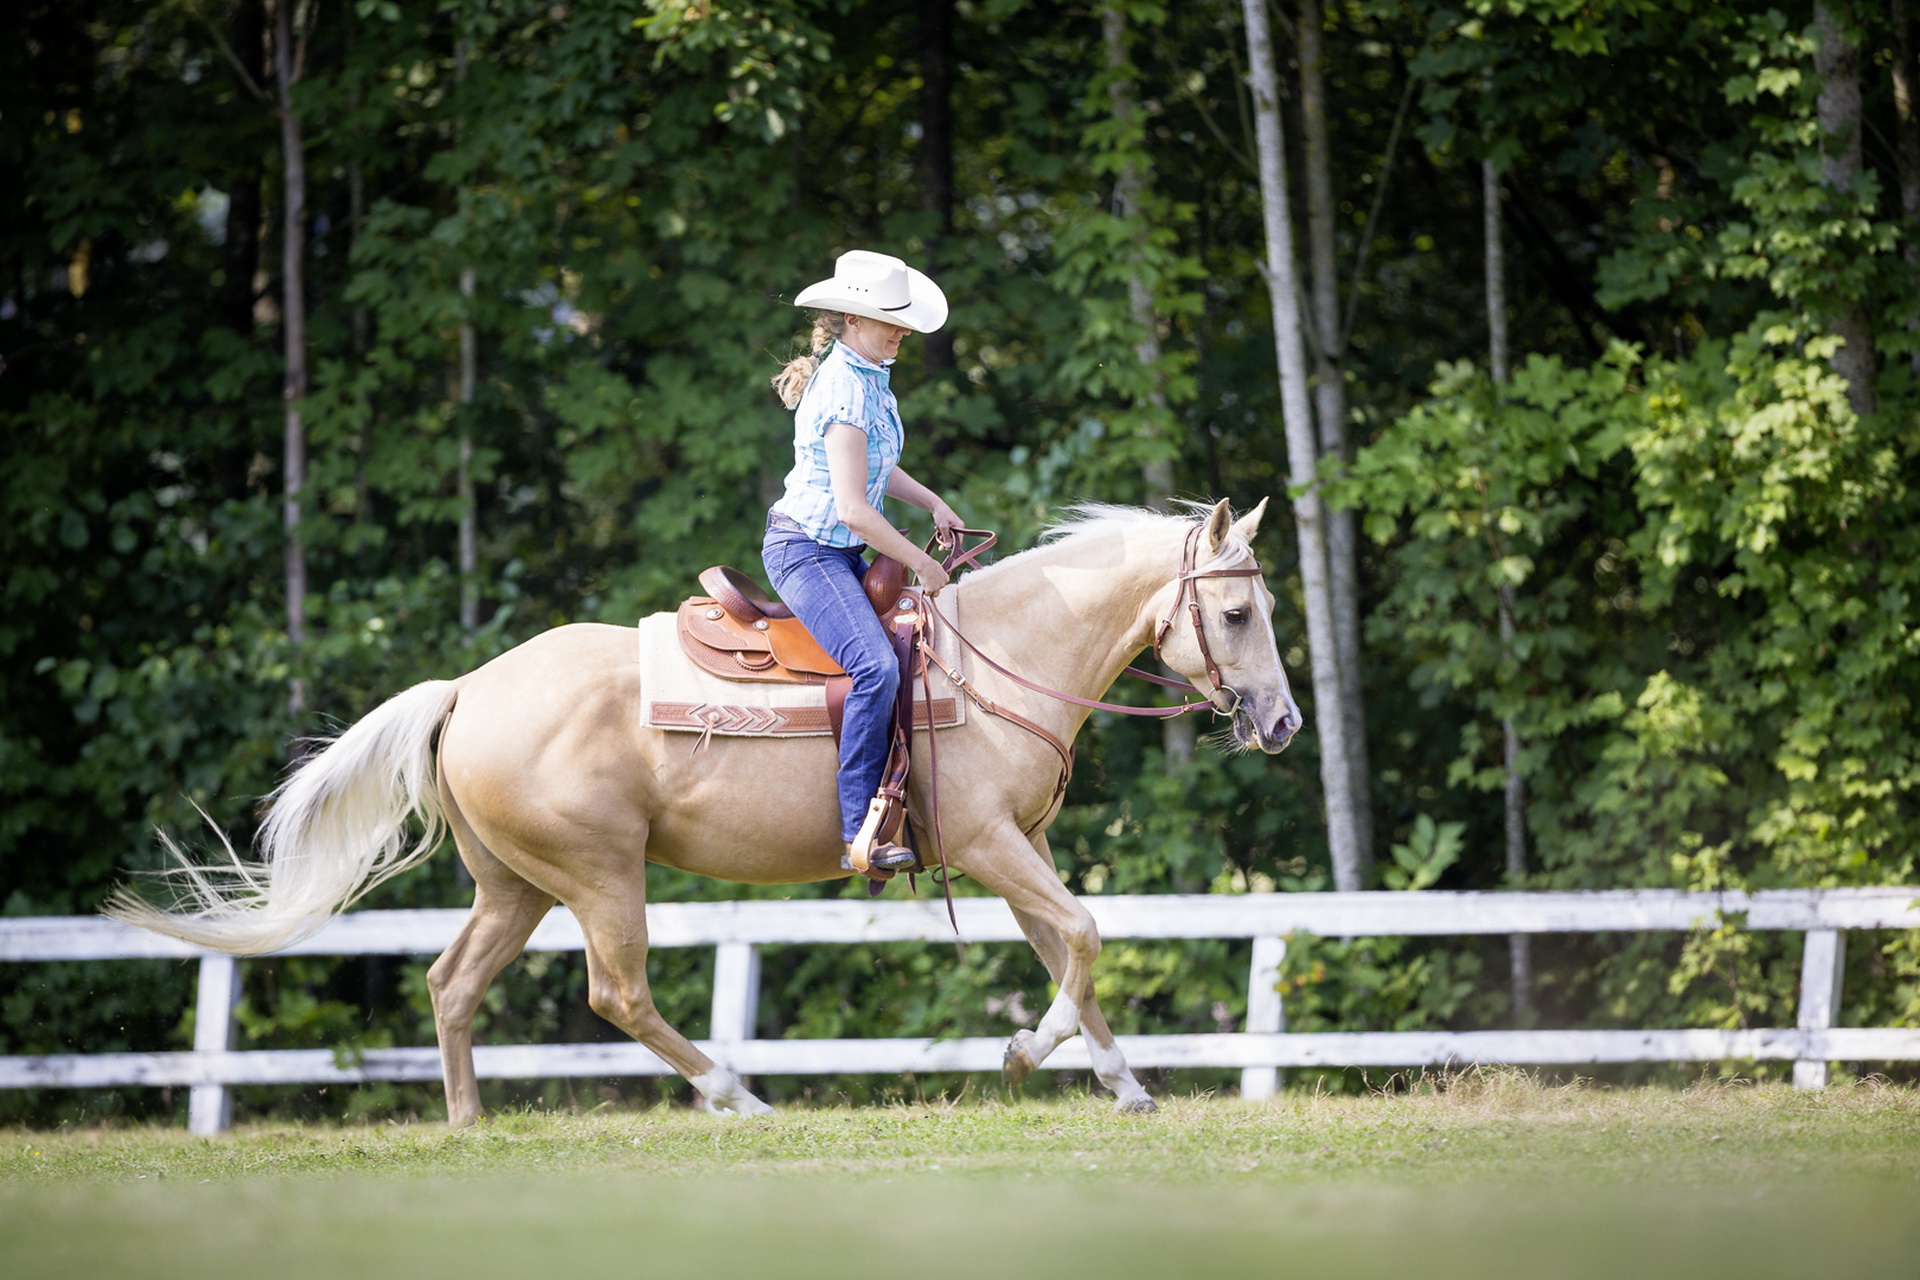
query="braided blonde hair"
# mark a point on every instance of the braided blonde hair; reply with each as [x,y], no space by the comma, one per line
[791,382]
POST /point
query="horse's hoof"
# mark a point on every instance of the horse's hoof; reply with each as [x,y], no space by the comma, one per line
[1018,1063]
[1140,1106]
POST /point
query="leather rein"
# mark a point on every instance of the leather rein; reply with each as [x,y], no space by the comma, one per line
[1189,594]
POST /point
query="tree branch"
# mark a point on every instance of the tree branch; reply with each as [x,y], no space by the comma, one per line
[306,32]
[246,77]
[1170,55]
[1373,214]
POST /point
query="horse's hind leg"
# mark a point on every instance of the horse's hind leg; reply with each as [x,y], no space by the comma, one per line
[614,920]
[506,910]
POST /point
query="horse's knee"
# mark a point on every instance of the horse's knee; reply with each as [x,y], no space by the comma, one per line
[1081,936]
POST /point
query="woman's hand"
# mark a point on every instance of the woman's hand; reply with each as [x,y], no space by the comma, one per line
[946,525]
[932,577]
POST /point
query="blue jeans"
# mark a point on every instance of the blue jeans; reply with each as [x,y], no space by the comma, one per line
[822,586]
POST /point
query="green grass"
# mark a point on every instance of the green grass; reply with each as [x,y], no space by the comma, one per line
[1491,1175]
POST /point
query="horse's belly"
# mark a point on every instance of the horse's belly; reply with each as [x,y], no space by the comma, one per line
[763,811]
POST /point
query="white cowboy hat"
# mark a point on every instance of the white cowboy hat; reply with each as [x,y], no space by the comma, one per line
[879,287]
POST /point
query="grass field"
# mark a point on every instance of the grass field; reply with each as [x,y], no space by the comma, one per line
[1489,1176]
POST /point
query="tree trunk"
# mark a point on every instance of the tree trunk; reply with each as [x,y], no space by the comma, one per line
[240,256]
[1336,773]
[1330,407]
[1519,945]
[1496,273]
[357,216]
[1907,143]
[1837,62]
[936,150]
[469,372]
[469,508]
[1177,736]
[293,327]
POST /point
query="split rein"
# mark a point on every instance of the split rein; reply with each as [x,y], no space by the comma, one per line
[1189,594]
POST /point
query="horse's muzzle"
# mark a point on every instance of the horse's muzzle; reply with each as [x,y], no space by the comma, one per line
[1270,734]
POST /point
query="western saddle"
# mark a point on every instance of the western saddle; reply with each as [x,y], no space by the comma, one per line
[737,632]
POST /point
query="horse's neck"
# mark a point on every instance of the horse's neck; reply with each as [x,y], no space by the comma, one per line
[1073,614]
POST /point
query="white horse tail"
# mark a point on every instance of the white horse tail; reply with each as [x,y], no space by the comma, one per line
[334,829]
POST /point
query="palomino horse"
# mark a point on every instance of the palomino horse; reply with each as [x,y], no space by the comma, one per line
[554,790]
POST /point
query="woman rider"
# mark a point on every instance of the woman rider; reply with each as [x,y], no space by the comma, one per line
[847,438]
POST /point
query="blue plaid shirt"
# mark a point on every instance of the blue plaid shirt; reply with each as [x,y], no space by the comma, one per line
[845,388]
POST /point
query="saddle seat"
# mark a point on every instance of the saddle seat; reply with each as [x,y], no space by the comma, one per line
[736,632]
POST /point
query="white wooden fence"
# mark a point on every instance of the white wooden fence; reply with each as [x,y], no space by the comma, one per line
[738,929]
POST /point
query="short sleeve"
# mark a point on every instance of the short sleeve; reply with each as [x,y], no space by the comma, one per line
[836,394]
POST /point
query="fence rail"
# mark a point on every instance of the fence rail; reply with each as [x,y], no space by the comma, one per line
[736,930]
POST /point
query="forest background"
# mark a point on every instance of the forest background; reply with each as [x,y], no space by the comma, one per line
[1650,583]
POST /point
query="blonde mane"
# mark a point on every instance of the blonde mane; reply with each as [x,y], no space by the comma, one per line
[1092,521]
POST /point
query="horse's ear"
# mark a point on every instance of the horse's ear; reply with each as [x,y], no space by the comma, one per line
[1249,524]
[1219,525]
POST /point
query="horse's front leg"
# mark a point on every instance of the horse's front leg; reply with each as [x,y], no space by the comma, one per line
[1063,934]
[1024,1051]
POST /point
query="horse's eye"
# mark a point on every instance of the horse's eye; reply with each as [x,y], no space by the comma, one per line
[1235,617]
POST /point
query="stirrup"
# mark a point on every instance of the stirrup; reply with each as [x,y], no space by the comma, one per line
[873,851]
[884,861]
[873,854]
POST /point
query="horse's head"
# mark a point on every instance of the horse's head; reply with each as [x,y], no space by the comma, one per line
[1216,629]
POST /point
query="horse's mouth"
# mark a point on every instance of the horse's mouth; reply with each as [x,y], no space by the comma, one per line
[1251,737]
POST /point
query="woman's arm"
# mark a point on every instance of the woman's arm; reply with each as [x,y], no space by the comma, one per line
[847,466]
[904,487]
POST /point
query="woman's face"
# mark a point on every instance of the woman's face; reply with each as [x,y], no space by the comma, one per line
[875,340]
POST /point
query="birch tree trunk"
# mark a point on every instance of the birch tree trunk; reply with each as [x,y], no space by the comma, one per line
[1837,62]
[1519,945]
[469,360]
[469,507]
[1177,736]
[1330,407]
[357,217]
[1906,112]
[1907,141]
[1496,273]
[1336,774]
[936,150]
[293,328]
[240,254]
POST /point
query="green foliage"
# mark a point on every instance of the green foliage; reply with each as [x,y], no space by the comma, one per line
[1428,852]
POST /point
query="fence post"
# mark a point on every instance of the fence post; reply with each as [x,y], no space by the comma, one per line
[1265,1012]
[1821,968]
[209,1106]
[736,992]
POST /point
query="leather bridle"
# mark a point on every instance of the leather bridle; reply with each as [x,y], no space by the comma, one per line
[1190,575]
[1188,594]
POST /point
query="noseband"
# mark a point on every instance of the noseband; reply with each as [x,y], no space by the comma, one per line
[1190,593]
